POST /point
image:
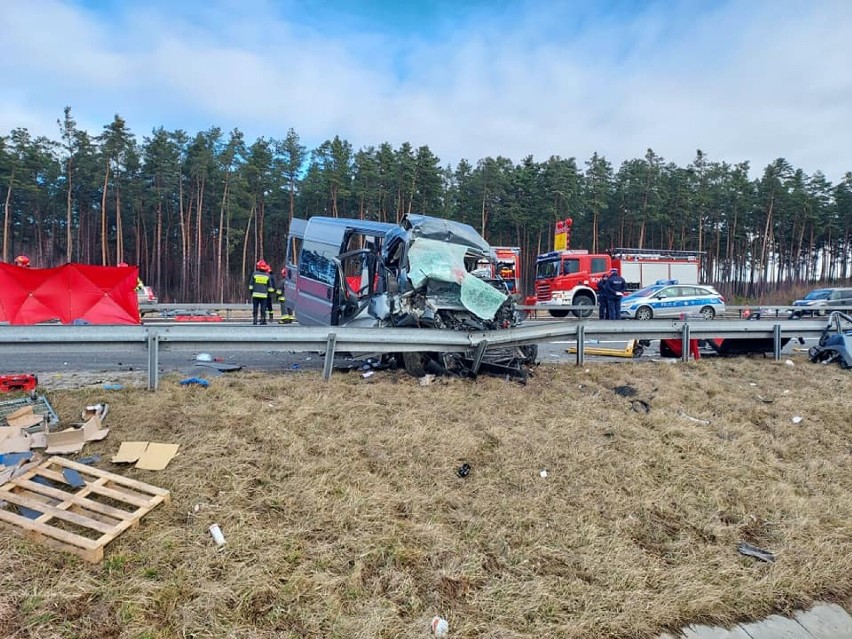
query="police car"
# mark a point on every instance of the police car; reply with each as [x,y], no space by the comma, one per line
[669,298]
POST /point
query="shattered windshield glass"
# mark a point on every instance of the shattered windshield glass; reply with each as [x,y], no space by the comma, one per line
[444,262]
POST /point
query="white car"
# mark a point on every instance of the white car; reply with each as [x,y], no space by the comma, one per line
[668,298]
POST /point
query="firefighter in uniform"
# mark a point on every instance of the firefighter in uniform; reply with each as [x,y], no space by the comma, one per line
[270,298]
[22,260]
[285,318]
[259,288]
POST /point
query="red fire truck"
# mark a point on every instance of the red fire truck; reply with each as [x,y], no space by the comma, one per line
[566,277]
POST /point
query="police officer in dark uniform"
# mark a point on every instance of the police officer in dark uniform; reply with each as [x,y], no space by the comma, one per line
[259,288]
[603,297]
[616,286]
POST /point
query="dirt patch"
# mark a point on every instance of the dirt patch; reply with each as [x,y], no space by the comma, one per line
[345,515]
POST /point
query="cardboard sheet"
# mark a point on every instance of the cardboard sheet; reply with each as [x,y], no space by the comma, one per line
[72,440]
[17,442]
[129,452]
[157,456]
[92,430]
[24,418]
[66,442]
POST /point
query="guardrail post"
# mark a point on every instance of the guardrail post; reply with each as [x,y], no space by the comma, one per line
[328,364]
[581,344]
[684,343]
[153,360]
[776,338]
[481,347]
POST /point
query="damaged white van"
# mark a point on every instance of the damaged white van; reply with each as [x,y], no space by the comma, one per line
[424,272]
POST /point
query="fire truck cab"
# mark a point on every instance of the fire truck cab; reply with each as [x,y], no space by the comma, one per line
[569,278]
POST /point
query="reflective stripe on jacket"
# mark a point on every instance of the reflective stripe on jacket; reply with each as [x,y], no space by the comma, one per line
[259,284]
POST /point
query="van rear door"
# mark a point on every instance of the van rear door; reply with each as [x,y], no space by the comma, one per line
[295,238]
[316,299]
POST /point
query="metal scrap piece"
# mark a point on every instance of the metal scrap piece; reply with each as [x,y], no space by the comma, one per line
[758,553]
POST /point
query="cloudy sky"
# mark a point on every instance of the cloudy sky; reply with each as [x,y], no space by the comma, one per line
[740,79]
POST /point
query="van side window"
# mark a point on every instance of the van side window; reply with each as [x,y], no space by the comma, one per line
[317,262]
[293,251]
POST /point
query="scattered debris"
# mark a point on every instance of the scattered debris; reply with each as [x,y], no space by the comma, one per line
[835,343]
[23,382]
[147,455]
[753,551]
[788,362]
[72,440]
[463,470]
[26,493]
[632,349]
[543,473]
[204,357]
[640,406]
[222,367]
[797,419]
[111,386]
[73,478]
[368,374]
[440,627]
[765,400]
[99,410]
[89,460]
[694,419]
[13,459]
[427,379]
[195,381]
[218,537]
[624,391]
[39,404]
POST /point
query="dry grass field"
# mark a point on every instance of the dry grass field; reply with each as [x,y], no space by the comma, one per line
[345,517]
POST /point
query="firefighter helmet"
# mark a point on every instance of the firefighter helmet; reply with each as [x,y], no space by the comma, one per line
[262,265]
[122,264]
[22,260]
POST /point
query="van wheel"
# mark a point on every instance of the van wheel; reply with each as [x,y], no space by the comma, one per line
[583,300]
[558,313]
[707,313]
[414,364]
[644,313]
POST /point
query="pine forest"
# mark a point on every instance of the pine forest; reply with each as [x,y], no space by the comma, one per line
[196,211]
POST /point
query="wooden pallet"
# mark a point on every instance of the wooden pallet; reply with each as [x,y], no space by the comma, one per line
[101,510]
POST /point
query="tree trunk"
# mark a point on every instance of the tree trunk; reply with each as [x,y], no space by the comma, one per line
[104,237]
[763,256]
[198,237]
[184,239]
[69,238]
[245,245]
[220,280]
[7,218]
[119,230]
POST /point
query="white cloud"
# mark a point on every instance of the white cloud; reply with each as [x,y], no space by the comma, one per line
[740,80]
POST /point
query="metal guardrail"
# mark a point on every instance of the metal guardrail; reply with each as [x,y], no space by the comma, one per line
[331,340]
[767,311]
